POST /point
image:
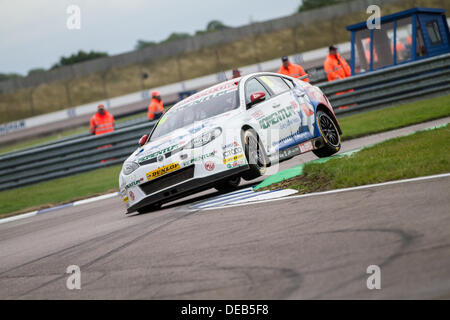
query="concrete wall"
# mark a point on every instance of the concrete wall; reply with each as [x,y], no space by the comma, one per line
[190,44]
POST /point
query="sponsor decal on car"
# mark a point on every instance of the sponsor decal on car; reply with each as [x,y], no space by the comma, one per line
[235,164]
[289,152]
[225,87]
[125,199]
[195,130]
[294,105]
[163,119]
[258,114]
[314,93]
[234,158]
[157,153]
[162,171]
[289,123]
[302,134]
[134,183]
[202,98]
[209,165]
[305,146]
[230,145]
[131,194]
[140,151]
[199,158]
[276,117]
[307,110]
[231,152]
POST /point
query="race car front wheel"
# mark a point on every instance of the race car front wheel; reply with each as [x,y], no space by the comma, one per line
[228,184]
[255,154]
[330,135]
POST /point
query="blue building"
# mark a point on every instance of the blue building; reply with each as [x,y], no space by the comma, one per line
[404,36]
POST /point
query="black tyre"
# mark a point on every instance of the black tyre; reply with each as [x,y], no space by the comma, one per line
[330,135]
[228,184]
[152,207]
[255,154]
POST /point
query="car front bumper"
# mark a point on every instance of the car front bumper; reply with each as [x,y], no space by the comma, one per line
[186,188]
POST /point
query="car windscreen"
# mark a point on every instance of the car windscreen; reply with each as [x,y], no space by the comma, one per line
[196,110]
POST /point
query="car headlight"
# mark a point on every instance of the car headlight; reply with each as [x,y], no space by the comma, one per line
[129,167]
[204,139]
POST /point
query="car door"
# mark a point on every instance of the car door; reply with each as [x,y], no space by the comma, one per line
[265,116]
[285,109]
[304,129]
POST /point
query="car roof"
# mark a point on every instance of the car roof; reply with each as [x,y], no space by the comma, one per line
[225,85]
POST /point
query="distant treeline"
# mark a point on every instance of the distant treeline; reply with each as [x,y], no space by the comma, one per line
[214,25]
[80,56]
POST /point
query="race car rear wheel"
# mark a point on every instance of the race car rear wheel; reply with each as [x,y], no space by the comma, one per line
[228,184]
[255,154]
[330,135]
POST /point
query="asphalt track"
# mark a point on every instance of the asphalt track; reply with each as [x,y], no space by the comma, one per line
[297,248]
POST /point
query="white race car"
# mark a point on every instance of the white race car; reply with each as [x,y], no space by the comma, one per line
[233,130]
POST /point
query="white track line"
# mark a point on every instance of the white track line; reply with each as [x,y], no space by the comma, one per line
[275,195]
[18,217]
[225,197]
[102,197]
[76,203]
[220,202]
[338,190]
[248,197]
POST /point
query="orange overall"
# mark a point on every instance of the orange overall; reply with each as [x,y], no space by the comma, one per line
[293,70]
[102,123]
[337,68]
[155,107]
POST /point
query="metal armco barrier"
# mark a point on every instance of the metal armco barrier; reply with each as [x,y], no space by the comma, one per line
[390,85]
[80,154]
[120,126]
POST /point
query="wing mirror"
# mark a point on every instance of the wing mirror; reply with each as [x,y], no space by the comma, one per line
[143,140]
[256,97]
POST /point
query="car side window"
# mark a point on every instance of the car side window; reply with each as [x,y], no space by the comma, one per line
[253,86]
[289,83]
[276,84]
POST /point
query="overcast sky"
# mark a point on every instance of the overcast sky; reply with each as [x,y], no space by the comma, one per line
[34,33]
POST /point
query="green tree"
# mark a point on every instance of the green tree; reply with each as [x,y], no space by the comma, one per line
[36,70]
[313,4]
[176,36]
[216,25]
[79,57]
[7,76]
[144,44]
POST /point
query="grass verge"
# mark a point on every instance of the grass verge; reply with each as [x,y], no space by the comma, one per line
[385,119]
[420,154]
[59,191]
